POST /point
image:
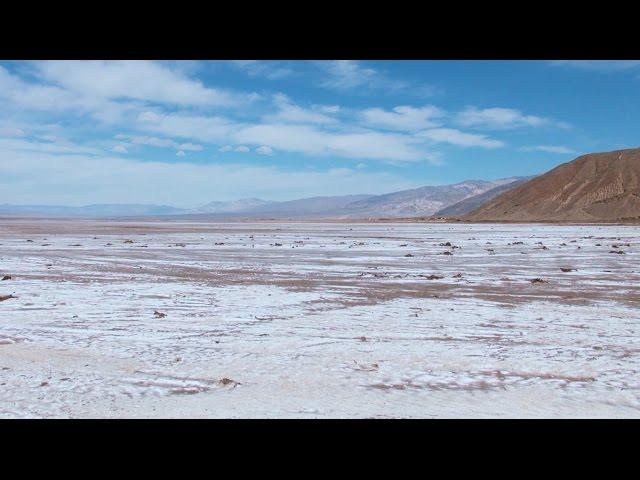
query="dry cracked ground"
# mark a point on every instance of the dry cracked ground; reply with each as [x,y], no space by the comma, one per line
[177,319]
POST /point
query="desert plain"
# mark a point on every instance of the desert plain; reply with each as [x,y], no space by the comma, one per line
[172,319]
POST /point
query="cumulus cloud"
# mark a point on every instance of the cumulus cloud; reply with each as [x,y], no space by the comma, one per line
[27,95]
[314,141]
[158,142]
[153,141]
[137,80]
[501,119]
[120,149]
[226,148]
[307,139]
[190,146]
[264,150]
[462,139]
[241,149]
[180,153]
[109,91]
[402,118]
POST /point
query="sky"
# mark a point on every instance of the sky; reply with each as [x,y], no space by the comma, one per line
[185,133]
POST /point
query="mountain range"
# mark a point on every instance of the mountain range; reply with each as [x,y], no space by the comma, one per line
[597,187]
[418,202]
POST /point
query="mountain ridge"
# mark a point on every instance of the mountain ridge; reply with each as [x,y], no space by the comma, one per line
[421,201]
[595,187]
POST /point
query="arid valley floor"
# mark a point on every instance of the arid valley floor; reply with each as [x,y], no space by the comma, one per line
[176,319]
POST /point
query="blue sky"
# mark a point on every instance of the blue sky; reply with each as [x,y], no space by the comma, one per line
[185,133]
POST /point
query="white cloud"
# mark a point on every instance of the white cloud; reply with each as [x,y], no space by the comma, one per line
[289,112]
[120,149]
[328,108]
[190,146]
[133,79]
[352,75]
[51,145]
[33,96]
[226,148]
[153,141]
[549,149]
[11,132]
[203,128]
[306,139]
[180,153]
[269,69]
[241,149]
[22,96]
[462,139]
[347,74]
[158,142]
[313,141]
[264,150]
[150,117]
[598,65]
[403,118]
[499,118]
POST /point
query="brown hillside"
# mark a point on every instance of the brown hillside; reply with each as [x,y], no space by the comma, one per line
[594,187]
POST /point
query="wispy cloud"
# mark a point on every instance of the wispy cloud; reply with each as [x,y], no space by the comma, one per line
[598,65]
[311,140]
[347,74]
[403,118]
[269,69]
[136,80]
[549,149]
[502,119]
[351,75]
[108,91]
[51,146]
[289,112]
[11,132]
[158,142]
[462,139]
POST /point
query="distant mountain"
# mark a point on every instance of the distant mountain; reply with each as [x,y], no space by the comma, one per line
[423,201]
[312,206]
[418,202]
[592,188]
[470,204]
[98,210]
[241,205]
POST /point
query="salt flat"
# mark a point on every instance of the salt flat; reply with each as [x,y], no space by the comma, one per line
[318,320]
